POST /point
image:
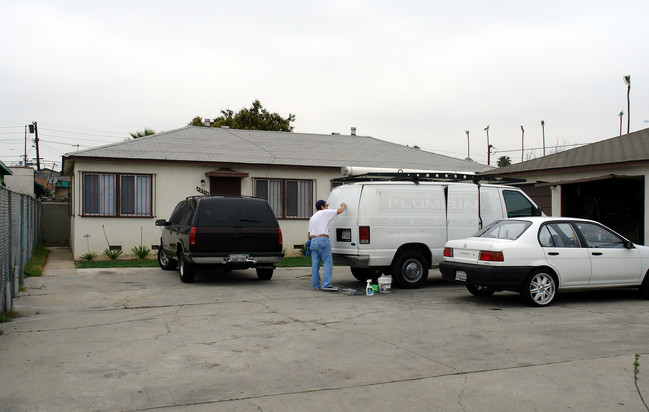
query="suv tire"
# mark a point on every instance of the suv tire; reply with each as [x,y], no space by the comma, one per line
[187,270]
[264,273]
[165,262]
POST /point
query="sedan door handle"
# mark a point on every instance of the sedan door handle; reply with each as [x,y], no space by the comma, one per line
[597,253]
[553,253]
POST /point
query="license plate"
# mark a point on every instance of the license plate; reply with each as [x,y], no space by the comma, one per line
[460,275]
[238,258]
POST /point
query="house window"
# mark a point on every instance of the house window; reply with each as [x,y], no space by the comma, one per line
[289,199]
[116,194]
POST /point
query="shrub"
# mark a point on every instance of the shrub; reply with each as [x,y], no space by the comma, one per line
[88,256]
[112,254]
[141,251]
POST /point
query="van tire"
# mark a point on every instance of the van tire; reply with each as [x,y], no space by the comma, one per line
[410,270]
[363,274]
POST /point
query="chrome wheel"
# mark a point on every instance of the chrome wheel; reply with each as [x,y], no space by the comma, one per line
[540,289]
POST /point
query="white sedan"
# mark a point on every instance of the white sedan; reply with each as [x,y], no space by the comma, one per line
[537,256]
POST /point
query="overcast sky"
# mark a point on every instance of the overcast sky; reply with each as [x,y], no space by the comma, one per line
[410,72]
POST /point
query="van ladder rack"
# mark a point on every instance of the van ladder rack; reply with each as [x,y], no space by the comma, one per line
[417,177]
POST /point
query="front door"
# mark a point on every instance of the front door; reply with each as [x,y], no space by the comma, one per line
[225,186]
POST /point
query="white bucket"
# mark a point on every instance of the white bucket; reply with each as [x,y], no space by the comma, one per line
[385,284]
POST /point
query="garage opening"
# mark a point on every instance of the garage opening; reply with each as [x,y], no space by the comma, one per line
[617,202]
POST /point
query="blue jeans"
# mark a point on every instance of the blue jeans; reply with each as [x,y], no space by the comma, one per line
[321,251]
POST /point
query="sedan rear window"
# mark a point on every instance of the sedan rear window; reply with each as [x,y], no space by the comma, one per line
[504,229]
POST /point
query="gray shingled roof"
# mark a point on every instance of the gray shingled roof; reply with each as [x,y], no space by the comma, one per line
[216,145]
[632,147]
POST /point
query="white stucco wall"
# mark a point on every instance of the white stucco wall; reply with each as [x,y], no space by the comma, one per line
[21,181]
[173,183]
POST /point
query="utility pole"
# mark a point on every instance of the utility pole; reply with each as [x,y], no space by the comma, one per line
[543,129]
[38,158]
[25,155]
[522,142]
[488,147]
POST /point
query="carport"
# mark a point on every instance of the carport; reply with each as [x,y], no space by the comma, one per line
[616,201]
[605,181]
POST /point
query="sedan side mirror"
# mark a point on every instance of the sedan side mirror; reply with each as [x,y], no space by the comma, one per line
[161,222]
[628,244]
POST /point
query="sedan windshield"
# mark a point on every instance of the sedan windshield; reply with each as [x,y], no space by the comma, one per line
[504,229]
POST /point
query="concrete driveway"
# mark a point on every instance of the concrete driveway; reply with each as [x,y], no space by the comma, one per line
[139,339]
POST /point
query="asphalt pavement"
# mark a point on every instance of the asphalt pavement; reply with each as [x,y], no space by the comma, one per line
[138,339]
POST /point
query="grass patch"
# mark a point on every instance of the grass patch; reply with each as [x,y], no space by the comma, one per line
[8,316]
[35,265]
[295,261]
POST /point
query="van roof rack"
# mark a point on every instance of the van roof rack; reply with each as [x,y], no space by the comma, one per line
[424,177]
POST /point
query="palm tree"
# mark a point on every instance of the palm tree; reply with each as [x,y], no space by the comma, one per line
[627,80]
[621,115]
[146,132]
[504,161]
[543,129]
[522,142]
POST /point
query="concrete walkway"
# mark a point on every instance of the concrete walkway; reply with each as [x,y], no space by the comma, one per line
[139,339]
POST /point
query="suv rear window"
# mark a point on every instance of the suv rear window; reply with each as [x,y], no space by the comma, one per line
[217,212]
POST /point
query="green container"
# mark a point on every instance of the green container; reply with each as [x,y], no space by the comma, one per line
[375,288]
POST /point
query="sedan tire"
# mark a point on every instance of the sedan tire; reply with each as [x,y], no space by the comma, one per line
[644,288]
[539,288]
[481,291]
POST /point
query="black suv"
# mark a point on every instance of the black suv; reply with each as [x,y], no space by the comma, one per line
[223,232]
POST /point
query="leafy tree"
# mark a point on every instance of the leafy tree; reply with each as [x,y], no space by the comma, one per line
[146,132]
[504,161]
[254,118]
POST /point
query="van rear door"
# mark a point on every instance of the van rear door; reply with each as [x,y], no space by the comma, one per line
[343,230]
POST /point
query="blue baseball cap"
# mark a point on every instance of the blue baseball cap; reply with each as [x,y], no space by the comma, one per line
[319,204]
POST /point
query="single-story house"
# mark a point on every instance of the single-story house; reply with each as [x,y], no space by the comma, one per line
[119,190]
[605,181]
[4,171]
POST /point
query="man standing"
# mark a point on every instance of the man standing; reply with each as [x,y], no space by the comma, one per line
[320,246]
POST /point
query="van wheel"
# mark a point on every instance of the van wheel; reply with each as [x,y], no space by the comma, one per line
[264,273]
[410,270]
[165,262]
[187,270]
[363,274]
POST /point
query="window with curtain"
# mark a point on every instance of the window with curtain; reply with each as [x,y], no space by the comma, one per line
[289,199]
[116,194]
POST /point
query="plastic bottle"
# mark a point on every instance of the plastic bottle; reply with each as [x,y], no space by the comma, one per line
[368,289]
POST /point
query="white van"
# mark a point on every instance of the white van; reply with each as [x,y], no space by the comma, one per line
[400,227]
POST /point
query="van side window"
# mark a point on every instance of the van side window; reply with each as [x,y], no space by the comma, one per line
[517,204]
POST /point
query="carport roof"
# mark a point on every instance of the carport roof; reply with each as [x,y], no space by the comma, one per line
[254,147]
[628,148]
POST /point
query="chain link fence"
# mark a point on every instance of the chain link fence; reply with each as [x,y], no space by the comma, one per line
[20,222]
